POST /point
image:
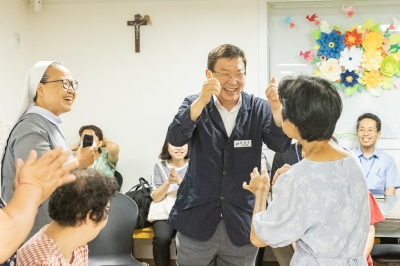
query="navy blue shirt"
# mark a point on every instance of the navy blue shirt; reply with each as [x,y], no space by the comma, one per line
[218,167]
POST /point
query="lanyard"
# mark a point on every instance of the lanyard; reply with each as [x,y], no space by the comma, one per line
[297,153]
[369,167]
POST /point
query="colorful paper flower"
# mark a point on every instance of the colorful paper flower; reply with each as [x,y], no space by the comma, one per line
[330,69]
[330,44]
[352,38]
[351,58]
[349,78]
[372,79]
[389,66]
[372,60]
[372,41]
[387,83]
[365,57]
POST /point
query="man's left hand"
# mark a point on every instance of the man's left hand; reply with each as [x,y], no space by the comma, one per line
[273,99]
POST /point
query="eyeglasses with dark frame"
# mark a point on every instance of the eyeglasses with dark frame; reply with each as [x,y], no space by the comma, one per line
[66,83]
[225,76]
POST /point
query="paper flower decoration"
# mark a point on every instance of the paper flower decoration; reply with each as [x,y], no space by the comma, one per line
[349,78]
[330,69]
[389,66]
[352,38]
[372,79]
[351,59]
[331,44]
[363,58]
[372,59]
[372,41]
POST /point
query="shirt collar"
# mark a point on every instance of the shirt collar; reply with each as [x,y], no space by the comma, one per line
[46,114]
[218,103]
[359,153]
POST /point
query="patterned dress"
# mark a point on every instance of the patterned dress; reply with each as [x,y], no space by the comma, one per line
[103,164]
[12,260]
[324,208]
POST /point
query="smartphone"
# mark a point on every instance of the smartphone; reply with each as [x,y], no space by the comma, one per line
[87,140]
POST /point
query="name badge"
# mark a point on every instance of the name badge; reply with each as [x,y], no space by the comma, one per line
[242,143]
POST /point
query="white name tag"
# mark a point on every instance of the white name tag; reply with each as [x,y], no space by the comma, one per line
[242,143]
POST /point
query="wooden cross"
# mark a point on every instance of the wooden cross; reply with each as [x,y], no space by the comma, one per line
[139,21]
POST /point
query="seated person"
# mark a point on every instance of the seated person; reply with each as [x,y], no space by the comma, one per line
[379,167]
[166,178]
[79,211]
[322,200]
[107,161]
[34,181]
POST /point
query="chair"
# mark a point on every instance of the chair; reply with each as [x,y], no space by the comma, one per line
[113,245]
[386,253]
[119,179]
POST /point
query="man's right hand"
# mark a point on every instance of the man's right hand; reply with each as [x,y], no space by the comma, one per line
[85,156]
[210,87]
[47,173]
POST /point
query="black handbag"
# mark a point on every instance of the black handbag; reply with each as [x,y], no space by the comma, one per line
[140,193]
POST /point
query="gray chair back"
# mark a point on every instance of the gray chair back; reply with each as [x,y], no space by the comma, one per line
[116,237]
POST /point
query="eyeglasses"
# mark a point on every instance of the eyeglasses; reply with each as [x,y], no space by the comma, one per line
[225,76]
[368,130]
[66,83]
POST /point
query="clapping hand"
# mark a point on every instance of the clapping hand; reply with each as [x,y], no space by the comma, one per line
[258,183]
[47,173]
[174,177]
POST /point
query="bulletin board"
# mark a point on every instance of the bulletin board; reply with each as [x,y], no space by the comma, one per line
[289,34]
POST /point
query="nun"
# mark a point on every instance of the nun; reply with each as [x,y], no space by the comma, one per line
[49,92]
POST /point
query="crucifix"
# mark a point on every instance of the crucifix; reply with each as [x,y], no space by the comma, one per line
[139,21]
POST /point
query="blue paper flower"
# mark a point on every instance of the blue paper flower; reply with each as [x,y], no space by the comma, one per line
[331,44]
[349,78]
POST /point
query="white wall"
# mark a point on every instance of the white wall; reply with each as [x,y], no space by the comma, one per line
[131,96]
[14,61]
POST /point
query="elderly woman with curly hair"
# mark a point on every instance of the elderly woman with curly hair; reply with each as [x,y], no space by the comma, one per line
[79,211]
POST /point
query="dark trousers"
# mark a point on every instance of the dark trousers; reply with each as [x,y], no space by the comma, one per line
[163,235]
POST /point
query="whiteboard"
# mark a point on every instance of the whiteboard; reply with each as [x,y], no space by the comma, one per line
[285,44]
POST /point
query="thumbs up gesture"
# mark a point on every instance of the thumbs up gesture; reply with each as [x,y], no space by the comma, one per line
[210,87]
[273,99]
[273,96]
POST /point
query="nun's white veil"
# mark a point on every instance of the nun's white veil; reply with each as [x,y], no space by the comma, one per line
[32,80]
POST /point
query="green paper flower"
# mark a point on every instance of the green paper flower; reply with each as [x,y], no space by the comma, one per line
[389,66]
[387,83]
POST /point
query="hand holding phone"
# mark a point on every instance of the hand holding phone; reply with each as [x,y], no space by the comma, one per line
[87,140]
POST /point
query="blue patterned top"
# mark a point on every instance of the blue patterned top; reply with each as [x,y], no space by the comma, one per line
[324,208]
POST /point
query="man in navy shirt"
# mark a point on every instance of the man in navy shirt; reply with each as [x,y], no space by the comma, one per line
[225,128]
[379,167]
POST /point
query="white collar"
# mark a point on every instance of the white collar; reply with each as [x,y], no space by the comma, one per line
[56,120]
